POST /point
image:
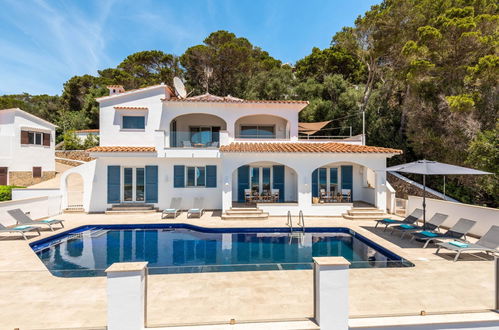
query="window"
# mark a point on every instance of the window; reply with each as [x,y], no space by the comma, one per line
[327,179]
[196,176]
[257,131]
[134,122]
[35,138]
[37,172]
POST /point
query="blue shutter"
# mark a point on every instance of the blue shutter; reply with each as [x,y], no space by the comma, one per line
[242,182]
[333,175]
[178,176]
[278,174]
[113,184]
[151,184]
[315,183]
[347,177]
[211,176]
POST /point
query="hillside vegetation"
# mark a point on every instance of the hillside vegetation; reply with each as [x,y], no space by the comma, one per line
[424,71]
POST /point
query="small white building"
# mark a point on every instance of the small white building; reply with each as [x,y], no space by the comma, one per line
[156,148]
[27,148]
[84,133]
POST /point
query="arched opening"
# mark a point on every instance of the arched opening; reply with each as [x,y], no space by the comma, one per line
[343,182]
[74,191]
[261,127]
[264,182]
[196,130]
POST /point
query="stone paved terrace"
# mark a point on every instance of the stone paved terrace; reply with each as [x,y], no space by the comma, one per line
[34,299]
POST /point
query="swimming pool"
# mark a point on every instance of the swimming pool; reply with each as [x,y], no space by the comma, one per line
[182,248]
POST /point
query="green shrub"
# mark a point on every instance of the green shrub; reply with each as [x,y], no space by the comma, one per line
[6,192]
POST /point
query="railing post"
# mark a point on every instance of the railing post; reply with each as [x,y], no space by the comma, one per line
[496,273]
[331,292]
[126,296]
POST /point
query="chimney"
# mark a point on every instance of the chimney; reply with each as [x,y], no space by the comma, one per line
[115,89]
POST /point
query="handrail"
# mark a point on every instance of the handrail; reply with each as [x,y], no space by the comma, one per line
[301,220]
[289,222]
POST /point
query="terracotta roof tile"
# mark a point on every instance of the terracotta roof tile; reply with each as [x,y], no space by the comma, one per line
[122,149]
[327,147]
[229,99]
[88,131]
[130,108]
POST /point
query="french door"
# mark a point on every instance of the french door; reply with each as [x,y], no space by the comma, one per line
[260,179]
[133,184]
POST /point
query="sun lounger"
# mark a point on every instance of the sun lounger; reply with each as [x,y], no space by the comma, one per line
[411,219]
[459,230]
[19,229]
[197,210]
[488,243]
[432,225]
[174,209]
[23,219]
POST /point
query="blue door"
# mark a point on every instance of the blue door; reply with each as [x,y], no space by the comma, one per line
[347,177]
[151,184]
[278,177]
[242,182]
[315,183]
[113,184]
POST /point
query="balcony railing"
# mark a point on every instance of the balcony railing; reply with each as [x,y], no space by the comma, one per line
[207,139]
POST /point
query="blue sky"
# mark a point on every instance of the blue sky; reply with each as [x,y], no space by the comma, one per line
[44,43]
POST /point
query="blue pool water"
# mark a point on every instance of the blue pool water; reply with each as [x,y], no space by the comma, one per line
[179,248]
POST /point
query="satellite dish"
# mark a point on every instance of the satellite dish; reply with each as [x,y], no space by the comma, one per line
[179,87]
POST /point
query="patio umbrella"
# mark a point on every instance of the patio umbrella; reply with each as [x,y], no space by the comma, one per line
[428,167]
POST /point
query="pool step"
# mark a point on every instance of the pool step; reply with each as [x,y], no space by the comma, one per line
[241,213]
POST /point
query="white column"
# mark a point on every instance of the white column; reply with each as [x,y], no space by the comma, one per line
[126,296]
[304,190]
[331,292]
[380,190]
[226,192]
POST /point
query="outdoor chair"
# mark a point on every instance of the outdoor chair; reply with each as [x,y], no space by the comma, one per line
[275,195]
[247,196]
[346,194]
[488,243]
[23,219]
[19,229]
[459,230]
[433,225]
[174,209]
[411,219]
[197,210]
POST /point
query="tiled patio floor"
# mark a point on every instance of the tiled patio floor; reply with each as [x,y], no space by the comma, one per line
[31,298]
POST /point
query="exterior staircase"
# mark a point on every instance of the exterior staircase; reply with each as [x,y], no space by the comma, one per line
[245,213]
[131,208]
[364,213]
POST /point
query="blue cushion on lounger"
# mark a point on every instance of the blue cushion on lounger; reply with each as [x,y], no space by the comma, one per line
[406,226]
[195,210]
[459,244]
[429,234]
[22,227]
[389,220]
[170,210]
[48,220]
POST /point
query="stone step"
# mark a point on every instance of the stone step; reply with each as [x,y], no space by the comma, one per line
[244,211]
[379,213]
[74,210]
[261,216]
[130,211]
[365,216]
[244,208]
[131,208]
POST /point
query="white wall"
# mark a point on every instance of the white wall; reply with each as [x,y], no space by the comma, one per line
[280,124]
[23,193]
[484,216]
[19,157]
[38,207]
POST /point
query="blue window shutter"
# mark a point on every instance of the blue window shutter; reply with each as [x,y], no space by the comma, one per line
[211,176]
[151,184]
[279,180]
[113,184]
[347,177]
[242,182]
[315,183]
[178,176]
[333,175]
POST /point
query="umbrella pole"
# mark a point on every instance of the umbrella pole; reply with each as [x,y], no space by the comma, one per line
[424,201]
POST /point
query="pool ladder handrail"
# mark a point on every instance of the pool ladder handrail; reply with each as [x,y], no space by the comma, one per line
[289,222]
[301,221]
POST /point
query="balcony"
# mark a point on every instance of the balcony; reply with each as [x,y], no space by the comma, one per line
[201,138]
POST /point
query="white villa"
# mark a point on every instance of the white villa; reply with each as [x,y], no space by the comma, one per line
[223,152]
[26,148]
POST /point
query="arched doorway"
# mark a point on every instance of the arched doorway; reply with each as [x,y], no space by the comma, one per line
[196,130]
[264,182]
[74,191]
[261,127]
